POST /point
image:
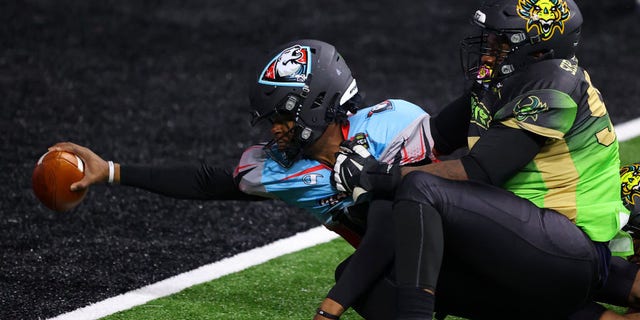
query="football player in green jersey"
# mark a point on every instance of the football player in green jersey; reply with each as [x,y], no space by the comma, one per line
[519,227]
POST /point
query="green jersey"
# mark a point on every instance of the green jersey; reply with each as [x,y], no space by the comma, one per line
[577,171]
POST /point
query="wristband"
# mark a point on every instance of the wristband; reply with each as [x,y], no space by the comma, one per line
[327,314]
[112,172]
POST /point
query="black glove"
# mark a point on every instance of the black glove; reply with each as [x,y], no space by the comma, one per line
[358,173]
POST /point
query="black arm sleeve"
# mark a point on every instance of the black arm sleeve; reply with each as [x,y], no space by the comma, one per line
[449,127]
[185,182]
[500,153]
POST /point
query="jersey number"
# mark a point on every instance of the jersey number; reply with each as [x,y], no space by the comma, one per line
[606,136]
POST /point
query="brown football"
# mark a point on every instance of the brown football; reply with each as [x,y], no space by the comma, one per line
[52,177]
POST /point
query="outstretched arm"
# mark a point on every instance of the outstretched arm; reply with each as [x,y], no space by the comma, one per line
[201,182]
[187,181]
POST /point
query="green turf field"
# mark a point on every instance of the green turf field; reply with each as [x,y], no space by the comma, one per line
[630,151]
[289,287]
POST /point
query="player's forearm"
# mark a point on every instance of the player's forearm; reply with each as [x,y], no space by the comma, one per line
[449,169]
[183,182]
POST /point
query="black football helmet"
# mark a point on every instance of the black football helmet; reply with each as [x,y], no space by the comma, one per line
[308,81]
[531,29]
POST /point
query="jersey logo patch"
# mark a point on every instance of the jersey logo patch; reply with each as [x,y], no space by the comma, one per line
[545,15]
[361,139]
[291,67]
[382,106]
[530,106]
[311,179]
[630,181]
[479,113]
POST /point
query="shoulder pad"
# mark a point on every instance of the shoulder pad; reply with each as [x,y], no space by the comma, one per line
[557,74]
[251,158]
[545,112]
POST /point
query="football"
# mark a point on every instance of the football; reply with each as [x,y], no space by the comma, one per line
[52,177]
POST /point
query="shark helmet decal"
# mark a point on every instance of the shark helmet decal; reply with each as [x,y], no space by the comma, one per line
[291,67]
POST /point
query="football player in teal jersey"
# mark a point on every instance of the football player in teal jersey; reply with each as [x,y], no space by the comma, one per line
[309,99]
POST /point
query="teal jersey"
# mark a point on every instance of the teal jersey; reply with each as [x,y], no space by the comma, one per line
[394,131]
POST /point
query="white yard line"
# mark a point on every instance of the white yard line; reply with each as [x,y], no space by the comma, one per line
[302,240]
[200,275]
[628,130]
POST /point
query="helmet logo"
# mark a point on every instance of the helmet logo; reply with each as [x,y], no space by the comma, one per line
[630,182]
[545,15]
[289,68]
[529,107]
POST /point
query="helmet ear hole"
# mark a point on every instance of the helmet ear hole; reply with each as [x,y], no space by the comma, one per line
[317,103]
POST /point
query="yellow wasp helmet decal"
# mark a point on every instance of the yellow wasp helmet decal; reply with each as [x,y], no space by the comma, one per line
[630,183]
[545,15]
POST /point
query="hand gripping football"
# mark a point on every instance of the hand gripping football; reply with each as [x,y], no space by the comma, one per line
[52,177]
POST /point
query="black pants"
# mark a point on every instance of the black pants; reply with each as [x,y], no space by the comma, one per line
[378,303]
[503,256]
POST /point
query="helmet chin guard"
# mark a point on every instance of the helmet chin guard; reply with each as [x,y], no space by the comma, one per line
[285,157]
